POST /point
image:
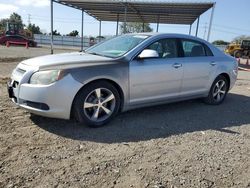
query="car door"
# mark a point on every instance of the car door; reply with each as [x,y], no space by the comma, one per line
[198,65]
[155,79]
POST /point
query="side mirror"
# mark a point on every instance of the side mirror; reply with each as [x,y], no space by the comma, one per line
[147,53]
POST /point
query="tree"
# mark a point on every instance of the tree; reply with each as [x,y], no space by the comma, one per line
[56,33]
[135,27]
[73,33]
[240,38]
[220,42]
[15,19]
[3,23]
[34,29]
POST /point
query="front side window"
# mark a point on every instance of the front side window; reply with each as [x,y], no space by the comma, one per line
[117,46]
[193,49]
[166,48]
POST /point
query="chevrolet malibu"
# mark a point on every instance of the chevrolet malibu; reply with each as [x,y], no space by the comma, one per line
[123,73]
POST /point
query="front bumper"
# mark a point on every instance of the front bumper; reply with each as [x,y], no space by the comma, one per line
[54,100]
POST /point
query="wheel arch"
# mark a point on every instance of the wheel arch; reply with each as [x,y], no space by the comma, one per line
[114,83]
[226,75]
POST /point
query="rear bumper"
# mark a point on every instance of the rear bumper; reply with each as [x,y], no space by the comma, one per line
[233,77]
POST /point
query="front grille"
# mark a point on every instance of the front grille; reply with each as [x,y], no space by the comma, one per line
[15,84]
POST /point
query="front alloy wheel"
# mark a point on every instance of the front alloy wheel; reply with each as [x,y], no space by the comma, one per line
[96,104]
[99,105]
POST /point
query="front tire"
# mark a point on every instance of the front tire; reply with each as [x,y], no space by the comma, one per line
[96,104]
[218,91]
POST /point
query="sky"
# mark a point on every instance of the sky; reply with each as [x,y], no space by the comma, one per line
[231,19]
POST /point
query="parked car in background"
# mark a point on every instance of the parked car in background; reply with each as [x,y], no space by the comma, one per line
[123,73]
[17,38]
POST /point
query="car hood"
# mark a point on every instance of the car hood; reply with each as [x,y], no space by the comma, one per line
[67,60]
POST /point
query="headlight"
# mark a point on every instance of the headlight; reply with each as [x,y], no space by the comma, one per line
[47,77]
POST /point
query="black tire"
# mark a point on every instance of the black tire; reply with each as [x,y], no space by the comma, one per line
[213,100]
[82,114]
[238,54]
[31,44]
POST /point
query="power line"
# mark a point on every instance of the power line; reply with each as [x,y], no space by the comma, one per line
[234,28]
[226,32]
[228,27]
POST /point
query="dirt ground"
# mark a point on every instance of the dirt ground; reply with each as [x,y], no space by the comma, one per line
[186,144]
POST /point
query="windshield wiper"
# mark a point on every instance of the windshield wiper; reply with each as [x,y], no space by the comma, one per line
[93,53]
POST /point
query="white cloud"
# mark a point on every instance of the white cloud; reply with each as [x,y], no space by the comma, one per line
[7,9]
[34,3]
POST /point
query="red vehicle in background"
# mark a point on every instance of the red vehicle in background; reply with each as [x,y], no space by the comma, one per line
[17,38]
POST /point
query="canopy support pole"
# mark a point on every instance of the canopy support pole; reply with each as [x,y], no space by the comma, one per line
[125,20]
[197,27]
[51,27]
[210,24]
[100,30]
[82,31]
[117,24]
[190,29]
[158,20]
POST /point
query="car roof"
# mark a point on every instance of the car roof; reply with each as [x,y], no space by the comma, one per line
[177,35]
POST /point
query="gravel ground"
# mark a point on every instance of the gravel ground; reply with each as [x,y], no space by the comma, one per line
[186,144]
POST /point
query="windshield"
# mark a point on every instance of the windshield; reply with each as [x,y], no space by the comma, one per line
[117,46]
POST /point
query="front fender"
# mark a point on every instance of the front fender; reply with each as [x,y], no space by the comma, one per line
[117,73]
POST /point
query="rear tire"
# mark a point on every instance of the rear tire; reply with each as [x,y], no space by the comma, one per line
[96,104]
[218,91]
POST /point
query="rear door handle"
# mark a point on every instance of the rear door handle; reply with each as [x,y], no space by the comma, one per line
[177,65]
[212,63]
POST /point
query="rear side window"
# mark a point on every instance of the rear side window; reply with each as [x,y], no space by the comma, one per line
[195,49]
[208,51]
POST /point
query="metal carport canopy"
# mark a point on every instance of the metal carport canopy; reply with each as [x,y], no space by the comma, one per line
[141,11]
[144,11]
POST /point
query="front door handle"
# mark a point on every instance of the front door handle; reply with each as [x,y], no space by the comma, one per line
[212,63]
[177,65]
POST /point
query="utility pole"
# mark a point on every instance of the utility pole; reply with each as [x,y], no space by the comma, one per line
[205,31]
[29,22]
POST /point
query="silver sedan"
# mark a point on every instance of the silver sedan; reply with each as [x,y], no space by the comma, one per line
[123,73]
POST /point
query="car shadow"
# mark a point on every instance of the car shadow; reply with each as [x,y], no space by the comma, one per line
[157,122]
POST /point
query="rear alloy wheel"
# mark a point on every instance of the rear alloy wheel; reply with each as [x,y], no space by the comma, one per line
[97,104]
[218,91]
